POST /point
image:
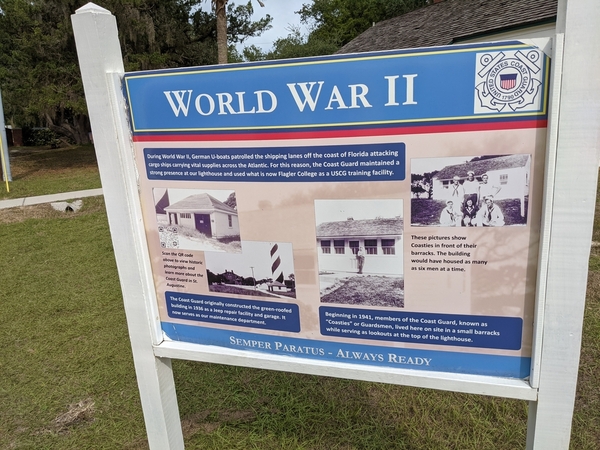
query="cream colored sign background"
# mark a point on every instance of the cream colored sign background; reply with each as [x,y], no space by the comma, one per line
[284,212]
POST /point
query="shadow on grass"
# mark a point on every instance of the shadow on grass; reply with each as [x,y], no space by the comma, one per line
[30,161]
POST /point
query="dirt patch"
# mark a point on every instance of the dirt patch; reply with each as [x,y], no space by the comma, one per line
[45,211]
[77,414]
[200,422]
[197,422]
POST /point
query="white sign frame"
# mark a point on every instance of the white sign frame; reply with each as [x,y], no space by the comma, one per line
[564,250]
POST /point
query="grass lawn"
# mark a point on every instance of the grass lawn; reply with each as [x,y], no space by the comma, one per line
[64,334]
[40,171]
[68,382]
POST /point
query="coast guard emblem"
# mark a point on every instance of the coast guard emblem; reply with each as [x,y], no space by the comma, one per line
[508,81]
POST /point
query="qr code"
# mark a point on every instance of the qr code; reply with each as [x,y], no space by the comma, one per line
[168,236]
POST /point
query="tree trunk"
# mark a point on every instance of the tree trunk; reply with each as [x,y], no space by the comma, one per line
[78,131]
[221,31]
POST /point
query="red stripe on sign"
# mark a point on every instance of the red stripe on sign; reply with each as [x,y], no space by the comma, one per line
[320,134]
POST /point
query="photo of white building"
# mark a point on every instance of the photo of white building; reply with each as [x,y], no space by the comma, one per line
[195,219]
[339,242]
[359,245]
[203,212]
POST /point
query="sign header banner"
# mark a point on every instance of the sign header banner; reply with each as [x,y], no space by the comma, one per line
[455,83]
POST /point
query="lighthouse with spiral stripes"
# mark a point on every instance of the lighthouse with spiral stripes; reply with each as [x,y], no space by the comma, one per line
[276,269]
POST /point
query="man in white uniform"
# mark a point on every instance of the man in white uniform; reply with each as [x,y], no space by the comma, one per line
[456,192]
[471,187]
[486,189]
[490,215]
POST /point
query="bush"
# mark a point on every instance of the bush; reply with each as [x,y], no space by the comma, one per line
[37,137]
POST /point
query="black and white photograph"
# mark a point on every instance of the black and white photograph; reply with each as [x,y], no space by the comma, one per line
[263,269]
[360,251]
[194,219]
[470,191]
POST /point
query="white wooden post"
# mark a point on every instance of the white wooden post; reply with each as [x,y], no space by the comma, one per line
[5,169]
[101,66]
[577,146]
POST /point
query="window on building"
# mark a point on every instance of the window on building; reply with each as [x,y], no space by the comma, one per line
[339,247]
[186,215]
[326,246]
[354,246]
[388,246]
[504,179]
[371,246]
[230,219]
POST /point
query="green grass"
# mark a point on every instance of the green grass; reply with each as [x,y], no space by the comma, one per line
[293,411]
[40,171]
[64,341]
[64,335]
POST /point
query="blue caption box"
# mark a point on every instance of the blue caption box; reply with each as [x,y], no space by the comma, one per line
[440,329]
[233,311]
[365,162]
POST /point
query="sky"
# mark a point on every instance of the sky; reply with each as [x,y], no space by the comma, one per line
[338,210]
[423,165]
[282,12]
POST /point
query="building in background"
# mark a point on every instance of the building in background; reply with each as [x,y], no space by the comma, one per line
[447,22]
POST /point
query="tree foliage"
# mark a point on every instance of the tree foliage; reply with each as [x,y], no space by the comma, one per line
[293,46]
[231,201]
[40,78]
[343,20]
[332,24]
[39,73]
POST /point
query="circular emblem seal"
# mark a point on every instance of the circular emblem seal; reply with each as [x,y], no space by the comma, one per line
[508,80]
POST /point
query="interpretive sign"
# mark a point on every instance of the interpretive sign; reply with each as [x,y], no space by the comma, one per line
[378,209]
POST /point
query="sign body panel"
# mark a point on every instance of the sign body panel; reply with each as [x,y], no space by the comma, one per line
[380,210]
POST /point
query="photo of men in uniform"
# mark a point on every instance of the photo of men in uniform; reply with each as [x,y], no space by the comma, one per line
[489,190]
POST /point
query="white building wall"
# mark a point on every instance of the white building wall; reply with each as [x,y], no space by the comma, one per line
[547,30]
[515,186]
[374,264]
[189,223]
[219,223]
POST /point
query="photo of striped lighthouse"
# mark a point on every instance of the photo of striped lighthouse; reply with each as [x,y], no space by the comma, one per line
[263,269]
[276,267]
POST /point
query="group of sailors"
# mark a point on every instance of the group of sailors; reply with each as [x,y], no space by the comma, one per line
[472,203]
